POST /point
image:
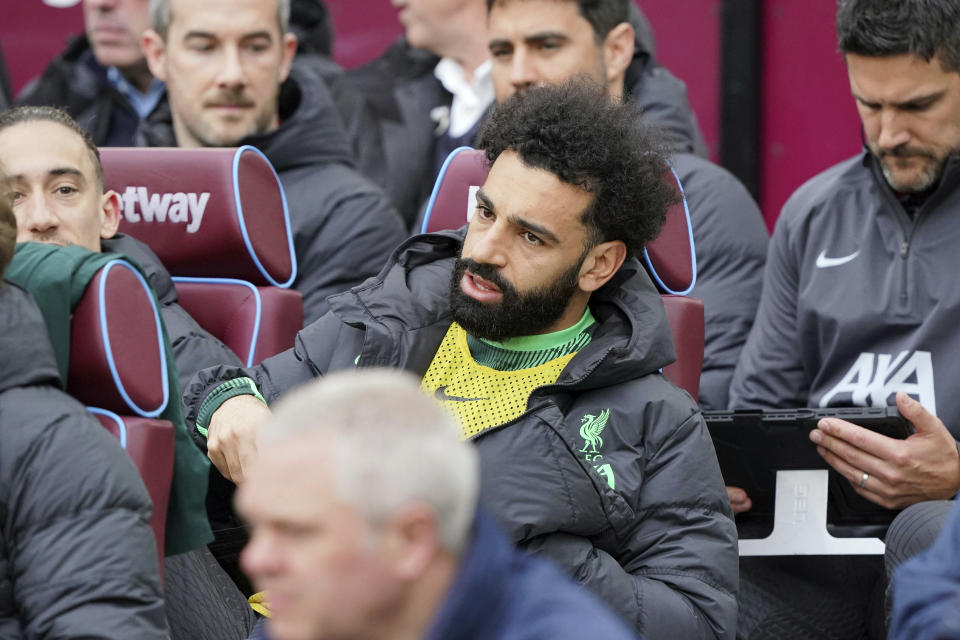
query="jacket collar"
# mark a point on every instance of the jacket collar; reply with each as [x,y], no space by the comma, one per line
[949,181]
[483,577]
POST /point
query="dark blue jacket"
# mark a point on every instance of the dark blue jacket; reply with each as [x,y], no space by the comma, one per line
[500,593]
[926,589]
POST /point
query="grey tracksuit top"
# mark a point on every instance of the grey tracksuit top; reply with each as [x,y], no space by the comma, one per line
[859,299]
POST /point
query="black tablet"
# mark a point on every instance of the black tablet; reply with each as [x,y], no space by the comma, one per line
[752,445]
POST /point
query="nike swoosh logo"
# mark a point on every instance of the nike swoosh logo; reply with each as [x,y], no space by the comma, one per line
[824,262]
[441,394]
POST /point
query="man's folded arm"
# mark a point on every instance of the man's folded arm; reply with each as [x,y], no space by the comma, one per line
[315,351]
[673,572]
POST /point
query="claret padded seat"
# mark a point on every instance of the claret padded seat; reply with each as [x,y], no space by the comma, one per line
[119,369]
[218,221]
[669,258]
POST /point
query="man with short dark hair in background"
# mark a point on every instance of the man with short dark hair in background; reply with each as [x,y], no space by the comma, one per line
[430,90]
[232,80]
[534,42]
[102,79]
[857,308]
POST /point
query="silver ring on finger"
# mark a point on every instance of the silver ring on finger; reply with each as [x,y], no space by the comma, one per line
[863,480]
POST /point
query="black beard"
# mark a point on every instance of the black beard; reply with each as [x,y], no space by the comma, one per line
[516,314]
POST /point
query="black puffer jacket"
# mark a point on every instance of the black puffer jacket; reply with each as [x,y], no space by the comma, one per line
[344,228]
[77,83]
[660,547]
[402,92]
[77,555]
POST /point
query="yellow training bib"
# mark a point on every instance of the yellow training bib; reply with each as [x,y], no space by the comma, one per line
[481,397]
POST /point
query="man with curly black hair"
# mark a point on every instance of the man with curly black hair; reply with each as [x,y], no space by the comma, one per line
[540,330]
[534,42]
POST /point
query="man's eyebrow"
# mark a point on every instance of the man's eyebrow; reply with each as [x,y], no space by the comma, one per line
[263,33]
[199,34]
[929,98]
[517,221]
[540,36]
[67,171]
[484,200]
[534,227]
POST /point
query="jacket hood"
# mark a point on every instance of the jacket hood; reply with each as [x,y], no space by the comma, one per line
[634,337]
[661,96]
[24,342]
[310,130]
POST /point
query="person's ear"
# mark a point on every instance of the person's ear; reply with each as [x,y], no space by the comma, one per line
[155,51]
[110,205]
[411,541]
[601,263]
[289,50]
[617,54]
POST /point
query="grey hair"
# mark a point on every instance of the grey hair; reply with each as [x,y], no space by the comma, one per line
[161,16]
[390,446]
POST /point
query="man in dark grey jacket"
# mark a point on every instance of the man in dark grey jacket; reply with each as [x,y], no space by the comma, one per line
[546,338]
[227,66]
[543,41]
[857,304]
[78,556]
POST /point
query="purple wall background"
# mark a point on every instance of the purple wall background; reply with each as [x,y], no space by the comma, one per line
[809,120]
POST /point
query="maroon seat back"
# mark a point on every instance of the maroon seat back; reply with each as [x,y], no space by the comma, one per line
[218,221]
[218,213]
[150,444]
[255,322]
[686,323]
[118,365]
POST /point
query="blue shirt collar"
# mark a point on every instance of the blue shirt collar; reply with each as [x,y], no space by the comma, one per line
[142,103]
